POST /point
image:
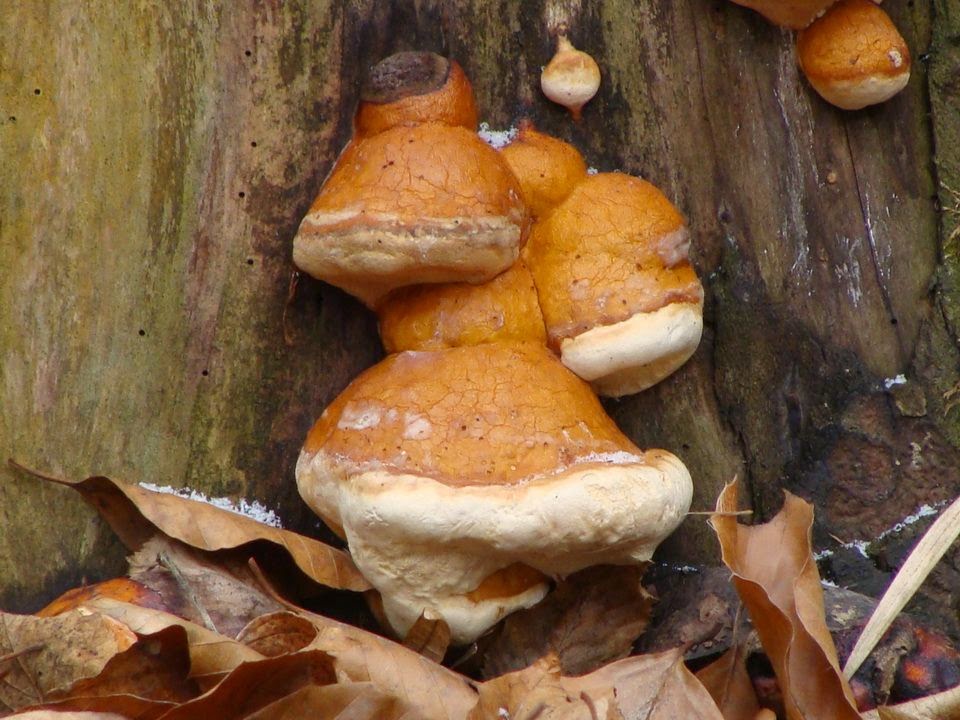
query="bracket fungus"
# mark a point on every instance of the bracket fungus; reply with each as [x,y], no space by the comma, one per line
[413,201]
[471,465]
[854,56]
[454,474]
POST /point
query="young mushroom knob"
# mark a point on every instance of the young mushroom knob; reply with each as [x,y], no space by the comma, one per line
[571,79]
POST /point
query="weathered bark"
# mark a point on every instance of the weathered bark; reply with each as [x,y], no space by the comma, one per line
[156,165]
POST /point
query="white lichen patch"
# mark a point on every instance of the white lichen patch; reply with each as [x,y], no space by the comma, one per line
[497,139]
[254,510]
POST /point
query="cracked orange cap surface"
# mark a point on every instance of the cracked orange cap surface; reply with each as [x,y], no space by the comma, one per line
[547,168]
[854,55]
[421,204]
[433,317]
[614,248]
[409,88]
[495,413]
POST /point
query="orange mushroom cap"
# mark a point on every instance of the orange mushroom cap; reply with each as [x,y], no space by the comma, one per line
[854,55]
[571,78]
[795,14]
[546,167]
[409,88]
[614,255]
[452,473]
[421,204]
[433,317]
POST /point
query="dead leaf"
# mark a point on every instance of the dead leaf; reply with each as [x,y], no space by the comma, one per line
[122,589]
[135,514]
[649,687]
[130,707]
[592,617]
[645,687]
[278,633]
[777,580]
[212,655]
[254,685]
[42,655]
[538,692]
[350,701]
[154,668]
[729,685]
[429,637]
[198,589]
[360,656]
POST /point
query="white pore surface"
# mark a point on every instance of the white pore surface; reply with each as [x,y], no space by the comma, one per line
[425,545]
[632,355]
[857,94]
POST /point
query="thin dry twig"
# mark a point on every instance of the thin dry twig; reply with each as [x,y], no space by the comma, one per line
[187,590]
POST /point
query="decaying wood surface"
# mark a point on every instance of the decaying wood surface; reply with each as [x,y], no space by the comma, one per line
[156,163]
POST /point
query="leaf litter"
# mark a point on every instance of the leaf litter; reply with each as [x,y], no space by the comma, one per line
[200,631]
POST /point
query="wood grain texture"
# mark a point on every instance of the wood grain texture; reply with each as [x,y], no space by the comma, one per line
[827,264]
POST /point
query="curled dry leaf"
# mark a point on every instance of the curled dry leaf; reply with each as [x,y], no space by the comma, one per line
[941,706]
[360,656]
[254,685]
[592,617]
[135,514]
[122,589]
[40,656]
[194,587]
[727,681]
[652,687]
[777,580]
[278,633]
[429,637]
[212,655]
[348,701]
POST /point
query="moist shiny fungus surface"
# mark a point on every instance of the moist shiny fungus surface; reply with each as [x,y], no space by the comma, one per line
[854,55]
[409,88]
[614,248]
[496,414]
[547,168]
[433,317]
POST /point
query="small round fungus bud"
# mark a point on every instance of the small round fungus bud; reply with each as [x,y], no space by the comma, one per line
[854,56]
[571,79]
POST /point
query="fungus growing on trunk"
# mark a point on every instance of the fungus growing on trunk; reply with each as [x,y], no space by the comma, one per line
[462,478]
[854,56]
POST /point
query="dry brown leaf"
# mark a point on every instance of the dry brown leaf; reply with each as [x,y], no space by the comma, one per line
[592,617]
[130,707]
[254,685]
[154,668]
[430,638]
[135,514]
[211,655]
[729,685]
[777,580]
[122,589]
[39,656]
[195,588]
[360,656]
[539,692]
[350,701]
[278,633]
[648,687]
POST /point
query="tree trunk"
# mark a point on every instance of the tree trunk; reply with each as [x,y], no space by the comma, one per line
[156,165]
